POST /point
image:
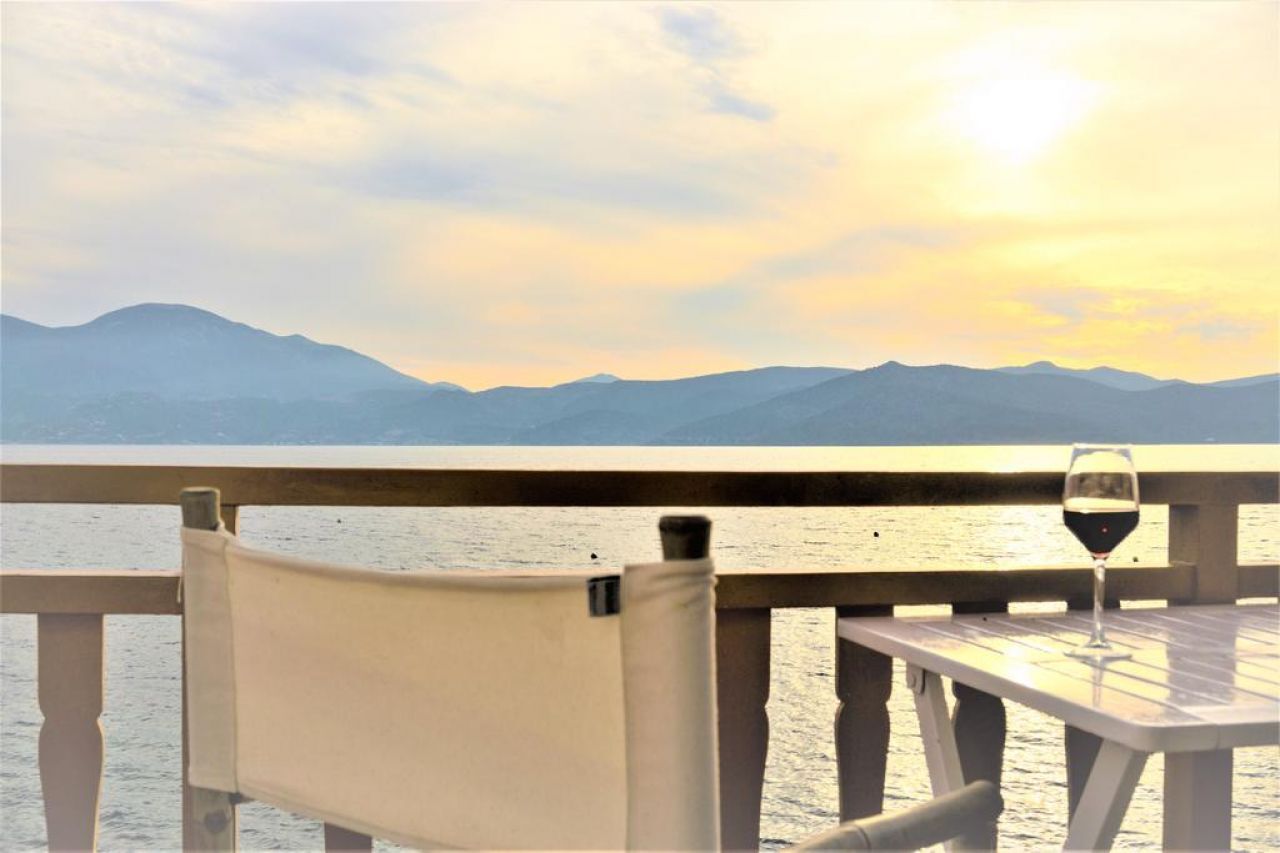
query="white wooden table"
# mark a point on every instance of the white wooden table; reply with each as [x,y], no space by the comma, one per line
[1202,680]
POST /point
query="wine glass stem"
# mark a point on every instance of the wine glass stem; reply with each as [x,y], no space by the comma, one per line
[1099,582]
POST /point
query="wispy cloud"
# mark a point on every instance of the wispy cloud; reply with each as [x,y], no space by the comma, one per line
[1223,331]
[722,100]
[700,33]
[712,46]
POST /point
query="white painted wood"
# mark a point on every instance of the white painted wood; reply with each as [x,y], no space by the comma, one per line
[940,752]
[1197,800]
[1202,680]
[1106,797]
[1204,677]
[941,755]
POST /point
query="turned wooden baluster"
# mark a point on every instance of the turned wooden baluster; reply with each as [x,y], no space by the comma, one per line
[864,682]
[979,722]
[70,682]
[743,638]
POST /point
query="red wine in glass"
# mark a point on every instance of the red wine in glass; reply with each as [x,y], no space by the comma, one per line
[1100,506]
[1100,531]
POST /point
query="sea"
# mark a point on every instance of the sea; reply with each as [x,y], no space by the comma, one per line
[140,805]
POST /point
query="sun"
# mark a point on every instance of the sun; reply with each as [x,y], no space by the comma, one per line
[1018,118]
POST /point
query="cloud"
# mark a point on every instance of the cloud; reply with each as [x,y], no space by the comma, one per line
[523,193]
[543,182]
[1071,305]
[700,33]
[799,305]
[279,53]
[722,100]
[712,46]
[505,181]
[852,256]
[1222,330]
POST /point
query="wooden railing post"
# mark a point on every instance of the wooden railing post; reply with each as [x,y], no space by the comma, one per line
[230,514]
[743,639]
[864,682]
[1206,536]
[208,817]
[70,683]
[979,722]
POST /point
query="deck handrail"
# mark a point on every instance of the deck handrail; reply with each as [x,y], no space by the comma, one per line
[136,592]
[70,604]
[484,487]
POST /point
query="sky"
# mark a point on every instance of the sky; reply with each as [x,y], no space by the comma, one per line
[530,193]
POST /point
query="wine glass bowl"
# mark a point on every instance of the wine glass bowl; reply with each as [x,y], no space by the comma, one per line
[1100,507]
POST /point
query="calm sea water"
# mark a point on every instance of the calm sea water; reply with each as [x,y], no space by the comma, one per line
[141,801]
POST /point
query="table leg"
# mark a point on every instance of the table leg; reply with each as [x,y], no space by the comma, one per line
[1197,800]
[939,735]
[940,752]
[1106,797]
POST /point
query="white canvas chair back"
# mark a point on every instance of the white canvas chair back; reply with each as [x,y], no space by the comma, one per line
[460,709]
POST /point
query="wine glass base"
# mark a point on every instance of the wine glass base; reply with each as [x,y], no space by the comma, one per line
[1099,653]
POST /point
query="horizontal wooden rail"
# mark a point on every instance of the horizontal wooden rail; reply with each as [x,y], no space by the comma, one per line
[90,591]
[246,486]
[156,593]
[870,587]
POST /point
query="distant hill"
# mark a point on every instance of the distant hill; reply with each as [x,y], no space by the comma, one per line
[1123,379]
[631,412]
[175,374]
[1246,380]
[621,412]
[179,352]
[898,405]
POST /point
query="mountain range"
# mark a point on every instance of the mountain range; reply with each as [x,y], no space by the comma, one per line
[172,374]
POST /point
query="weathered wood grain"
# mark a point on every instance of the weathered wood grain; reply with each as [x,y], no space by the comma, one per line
[743,640]
[125,591]
[864,683]
[70,690]
[262,486]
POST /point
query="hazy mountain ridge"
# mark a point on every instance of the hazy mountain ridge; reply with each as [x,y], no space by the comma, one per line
[896,405]
[1125,380]
[181,352]
[175,374]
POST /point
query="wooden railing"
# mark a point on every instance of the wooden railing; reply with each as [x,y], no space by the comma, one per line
[1202,567]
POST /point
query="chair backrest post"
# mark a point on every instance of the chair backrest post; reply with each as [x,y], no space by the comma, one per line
[685,537]
[201,508]
[209,820]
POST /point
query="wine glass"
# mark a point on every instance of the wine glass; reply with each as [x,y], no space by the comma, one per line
[1100,506]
